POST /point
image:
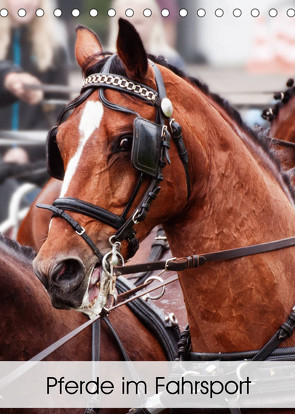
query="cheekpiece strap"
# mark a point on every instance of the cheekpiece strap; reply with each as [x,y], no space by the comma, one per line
[58,212]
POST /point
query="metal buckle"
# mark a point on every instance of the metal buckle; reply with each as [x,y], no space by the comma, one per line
[80,232]
[167,261]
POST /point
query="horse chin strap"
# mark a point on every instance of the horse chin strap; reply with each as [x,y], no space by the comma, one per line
[125,227]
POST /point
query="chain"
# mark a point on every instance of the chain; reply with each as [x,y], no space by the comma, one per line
[122,83]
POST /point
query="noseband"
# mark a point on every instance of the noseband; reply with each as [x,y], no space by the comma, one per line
[149,155]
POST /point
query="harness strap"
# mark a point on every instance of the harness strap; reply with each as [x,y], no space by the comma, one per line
[75,225]
[116,338]
[166,332]
[285,331]
[140,212]
[159,246]
[271,354]
[90,210]
[95,356]
[189,262]
[182,151]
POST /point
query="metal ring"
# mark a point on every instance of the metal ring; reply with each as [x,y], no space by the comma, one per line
[104,263]
[159,279]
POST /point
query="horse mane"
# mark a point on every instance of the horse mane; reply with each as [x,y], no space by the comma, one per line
[271,113]
[24,254]
[259,137]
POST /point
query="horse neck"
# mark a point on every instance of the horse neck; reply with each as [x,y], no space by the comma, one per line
[237,201]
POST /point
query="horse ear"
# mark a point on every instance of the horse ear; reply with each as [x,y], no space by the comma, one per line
[87,47]
[131,51]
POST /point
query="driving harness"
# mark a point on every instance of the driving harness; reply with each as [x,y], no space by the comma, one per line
[149,155]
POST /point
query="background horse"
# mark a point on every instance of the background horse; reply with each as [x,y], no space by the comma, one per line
[282,124]
[238,197]
[29,323]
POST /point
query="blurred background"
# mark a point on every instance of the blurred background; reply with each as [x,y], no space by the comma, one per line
[243,50]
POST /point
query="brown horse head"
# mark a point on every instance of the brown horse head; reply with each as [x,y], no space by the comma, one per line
[94,150]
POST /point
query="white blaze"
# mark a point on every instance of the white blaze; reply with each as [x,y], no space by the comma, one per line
[90,120]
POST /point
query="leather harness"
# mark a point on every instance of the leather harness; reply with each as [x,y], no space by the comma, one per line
[146,134]
[124,226]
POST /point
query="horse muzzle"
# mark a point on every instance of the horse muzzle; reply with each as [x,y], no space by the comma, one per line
[66,281]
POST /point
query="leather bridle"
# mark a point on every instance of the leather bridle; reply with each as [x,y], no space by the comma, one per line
[125,226]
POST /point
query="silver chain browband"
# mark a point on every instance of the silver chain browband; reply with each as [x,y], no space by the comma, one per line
[120,82]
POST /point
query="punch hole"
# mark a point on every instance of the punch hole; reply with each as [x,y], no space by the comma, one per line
[21,12]
[57,12]
[219,12]
[129,12]
[183,12]
[75,12]
[147,12]
[237,12]
[93,12]
[290,12]
[3,12]
[39,12]
[273,12]
[201,12]
[255,12]
[165,12]
[111,12]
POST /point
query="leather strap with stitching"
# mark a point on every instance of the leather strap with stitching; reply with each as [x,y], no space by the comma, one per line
[189,262]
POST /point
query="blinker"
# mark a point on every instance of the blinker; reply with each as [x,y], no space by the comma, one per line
[55,166]
[146,146]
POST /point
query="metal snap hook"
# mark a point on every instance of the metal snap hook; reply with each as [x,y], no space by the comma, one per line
[134,217]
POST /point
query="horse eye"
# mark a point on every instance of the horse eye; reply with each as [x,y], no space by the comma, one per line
[125,144]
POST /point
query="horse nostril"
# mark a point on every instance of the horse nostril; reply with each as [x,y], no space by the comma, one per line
[67,275]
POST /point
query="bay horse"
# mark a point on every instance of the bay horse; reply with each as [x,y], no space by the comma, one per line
[29,323]
[282,124]
[34,229]
[232,194]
